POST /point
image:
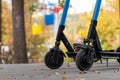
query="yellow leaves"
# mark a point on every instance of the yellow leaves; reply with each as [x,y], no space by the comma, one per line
[6,22]
[106,27]
[83,32]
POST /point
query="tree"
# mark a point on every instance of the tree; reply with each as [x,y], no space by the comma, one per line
[0,27]
[6,24]
[20,51]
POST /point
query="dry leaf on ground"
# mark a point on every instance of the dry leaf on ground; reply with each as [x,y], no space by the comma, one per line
[82,72]
[65,77]
[65,72]
[11,77]
[57,73]
[96,71]
[68,64]
[47,75]
[35,69]
[117,70]
[80,79]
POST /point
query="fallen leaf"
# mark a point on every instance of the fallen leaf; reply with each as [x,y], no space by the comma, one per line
[47,75]
[82,72]
[96,71]
[11,77]
[35,69]
[64,77]
[80,79]
[57,73]
[118,69]
[68,64]
[65,72]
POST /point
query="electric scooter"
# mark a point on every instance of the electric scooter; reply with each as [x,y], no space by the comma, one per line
[91,49]
[54,58]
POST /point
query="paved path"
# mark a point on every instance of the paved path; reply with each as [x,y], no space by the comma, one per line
[66,72]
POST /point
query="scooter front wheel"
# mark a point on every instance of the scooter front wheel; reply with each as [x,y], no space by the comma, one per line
[84,60]
[54,59]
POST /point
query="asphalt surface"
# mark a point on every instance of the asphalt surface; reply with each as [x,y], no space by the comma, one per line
[68,71]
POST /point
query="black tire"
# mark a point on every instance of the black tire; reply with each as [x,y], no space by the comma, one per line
[54,60]
[81,60]
[118,50]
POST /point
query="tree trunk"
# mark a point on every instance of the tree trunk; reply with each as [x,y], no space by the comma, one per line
[0,30]
[20,52]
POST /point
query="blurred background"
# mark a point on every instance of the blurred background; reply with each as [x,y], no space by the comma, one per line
[42,19]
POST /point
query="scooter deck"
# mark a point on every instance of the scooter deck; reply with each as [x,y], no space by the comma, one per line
[71,54]
[107,54]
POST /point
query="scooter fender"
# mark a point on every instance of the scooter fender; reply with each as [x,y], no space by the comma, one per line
[58,51]
[84,46]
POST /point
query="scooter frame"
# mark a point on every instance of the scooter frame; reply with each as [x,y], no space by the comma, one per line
[61,36]
[92,35]
[55,51]
[54,57]
[93,39]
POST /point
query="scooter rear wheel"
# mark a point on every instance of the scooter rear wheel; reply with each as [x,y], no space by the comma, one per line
[84,60]
[54,60]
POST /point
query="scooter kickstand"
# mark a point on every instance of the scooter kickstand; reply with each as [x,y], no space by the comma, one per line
[101,61]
